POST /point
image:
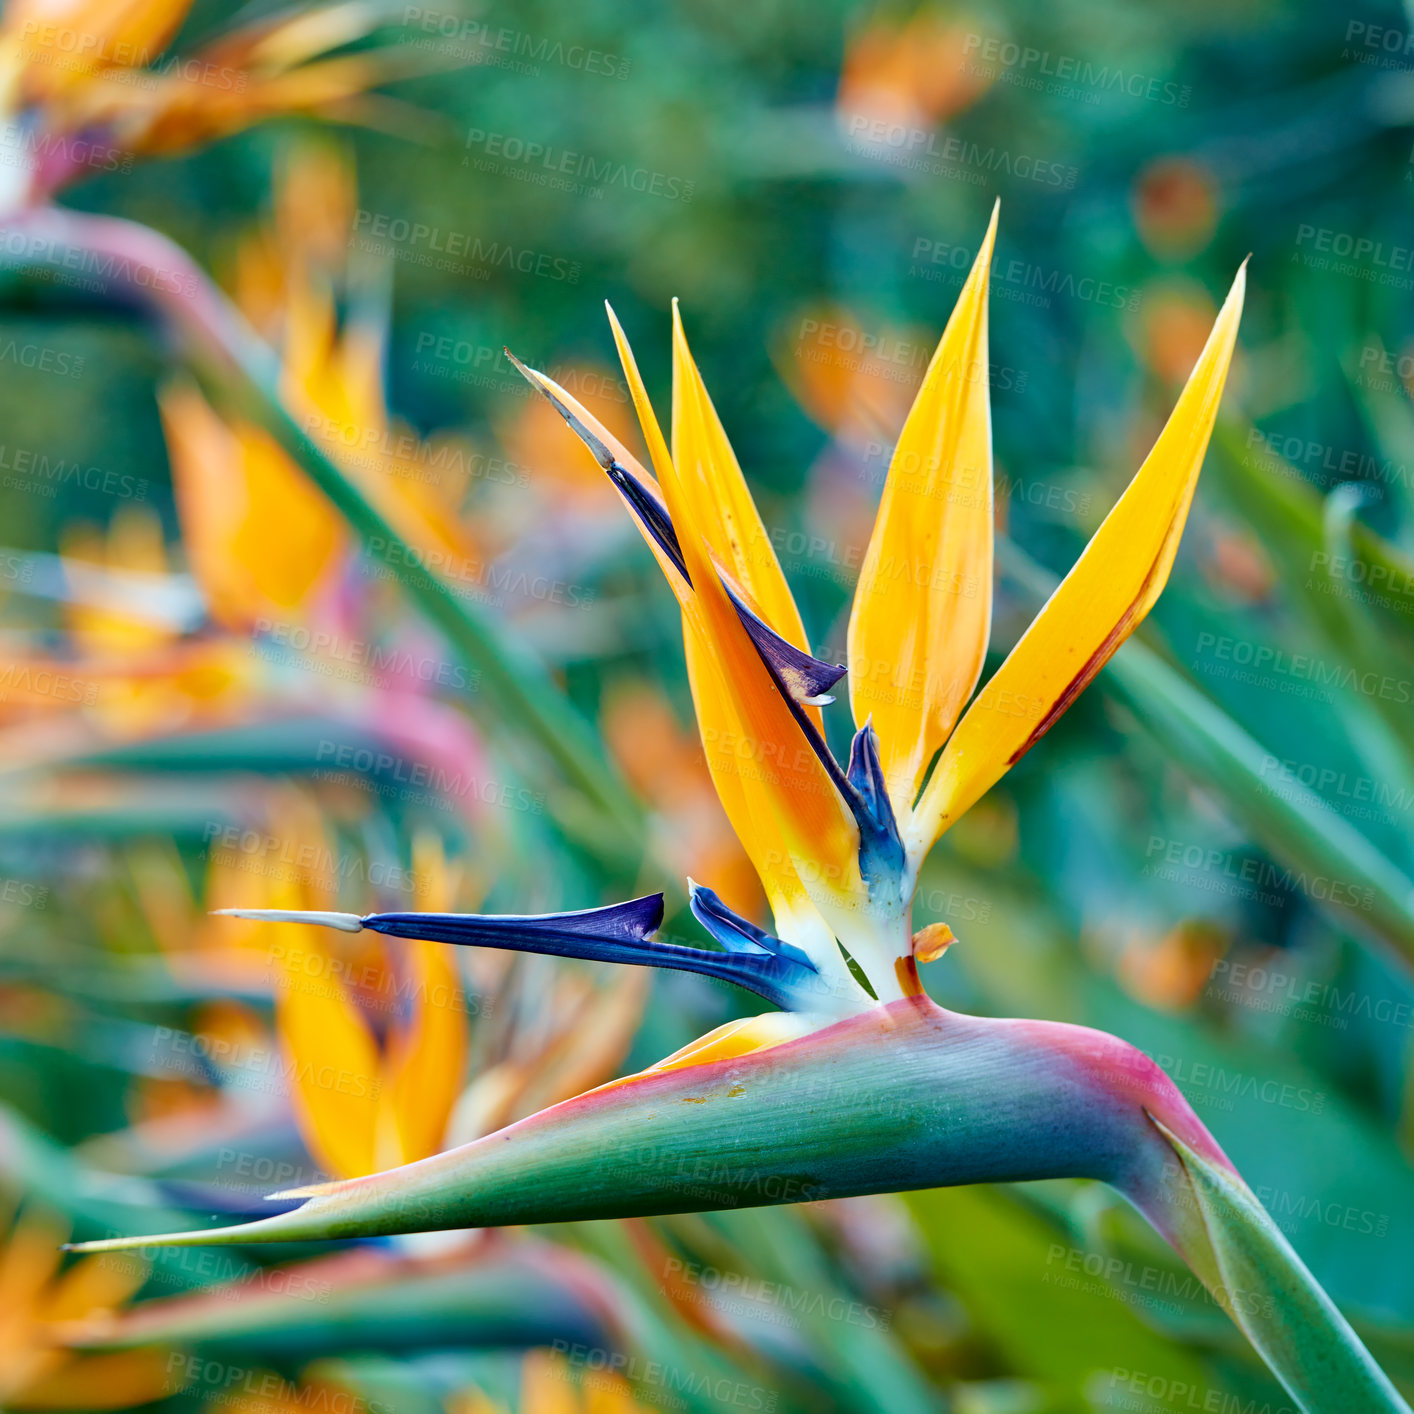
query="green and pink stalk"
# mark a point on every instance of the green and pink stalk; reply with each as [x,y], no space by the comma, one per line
[899,1097]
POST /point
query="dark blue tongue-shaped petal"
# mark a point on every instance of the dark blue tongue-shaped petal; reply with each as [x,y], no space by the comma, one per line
[568,934]
[618,933]
[804,678]
[735,933]
[866,771]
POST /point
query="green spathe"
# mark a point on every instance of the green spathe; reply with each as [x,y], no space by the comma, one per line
[900,1097]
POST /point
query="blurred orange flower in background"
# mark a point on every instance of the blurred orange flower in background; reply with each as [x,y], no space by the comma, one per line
[916,72]
[39,1292]
[1175,202]
[96,79]
[663,761]
[232,481]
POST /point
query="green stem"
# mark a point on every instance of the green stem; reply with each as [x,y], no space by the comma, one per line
[1240,1254]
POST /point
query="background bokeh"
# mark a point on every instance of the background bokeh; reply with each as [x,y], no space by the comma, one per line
[208,701]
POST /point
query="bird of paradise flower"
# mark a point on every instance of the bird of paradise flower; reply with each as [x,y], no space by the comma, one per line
[860,1082]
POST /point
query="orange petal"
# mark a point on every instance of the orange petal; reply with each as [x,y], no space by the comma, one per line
[782,777]
[426,1063]
[118,1381]
[1098,605]
[720,504]
[232,485]
[923,608]
[334,1072]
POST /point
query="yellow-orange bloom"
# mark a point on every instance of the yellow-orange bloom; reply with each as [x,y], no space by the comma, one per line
[1103,599]
[548,1385]
[96,88]
[918,632]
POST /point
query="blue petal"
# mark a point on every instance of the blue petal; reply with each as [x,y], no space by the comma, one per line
[738,934]
[804,678]
[881,852]
[618,933]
